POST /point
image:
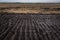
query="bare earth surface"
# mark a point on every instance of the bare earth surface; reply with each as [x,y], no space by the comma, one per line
[29,27]
[29,21]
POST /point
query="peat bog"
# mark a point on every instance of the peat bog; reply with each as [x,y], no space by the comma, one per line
[29,26]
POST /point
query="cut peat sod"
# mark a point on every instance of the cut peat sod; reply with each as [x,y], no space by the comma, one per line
[29,27]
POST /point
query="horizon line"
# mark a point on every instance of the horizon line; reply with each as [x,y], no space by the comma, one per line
[29,2]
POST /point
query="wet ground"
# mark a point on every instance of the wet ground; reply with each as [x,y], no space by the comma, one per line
[29,27]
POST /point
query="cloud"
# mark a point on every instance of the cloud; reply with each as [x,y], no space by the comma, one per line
[29,0]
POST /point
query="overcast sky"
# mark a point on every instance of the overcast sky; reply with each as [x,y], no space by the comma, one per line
[52,1]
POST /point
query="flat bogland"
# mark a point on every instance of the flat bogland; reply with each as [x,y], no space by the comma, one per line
[42,8]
